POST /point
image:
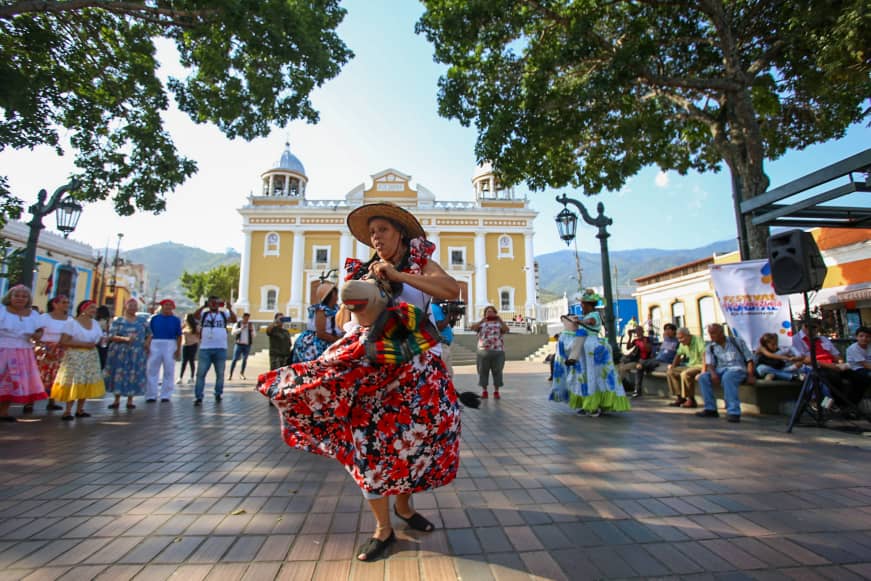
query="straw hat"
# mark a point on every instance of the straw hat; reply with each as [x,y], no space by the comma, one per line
[358,220]
[323,291]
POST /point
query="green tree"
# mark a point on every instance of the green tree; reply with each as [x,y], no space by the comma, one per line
[221,281]
[586,93]
[87,70]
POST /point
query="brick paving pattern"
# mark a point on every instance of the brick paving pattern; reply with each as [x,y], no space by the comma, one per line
[173,491]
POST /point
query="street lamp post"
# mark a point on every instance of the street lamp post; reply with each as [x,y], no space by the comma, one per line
[67,211]
[567,224]
[113,284]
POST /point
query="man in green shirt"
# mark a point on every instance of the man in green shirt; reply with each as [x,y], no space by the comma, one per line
[682,377]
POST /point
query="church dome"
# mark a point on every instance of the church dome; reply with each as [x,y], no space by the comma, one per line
[290,162]
[484,169]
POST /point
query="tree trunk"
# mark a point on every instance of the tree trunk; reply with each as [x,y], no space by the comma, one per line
[745,156]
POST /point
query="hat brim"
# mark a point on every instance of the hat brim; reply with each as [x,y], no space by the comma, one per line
[358,220]
[323,291]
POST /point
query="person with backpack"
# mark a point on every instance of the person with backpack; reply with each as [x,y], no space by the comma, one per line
[728,362]
[243,335]
[213,346]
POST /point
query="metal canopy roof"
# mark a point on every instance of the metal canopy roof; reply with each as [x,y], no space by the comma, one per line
[769,209]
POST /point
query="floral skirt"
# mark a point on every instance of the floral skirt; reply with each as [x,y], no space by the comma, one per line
[395,428]
[19,376]
[598,386]
[79,376]
[48,358]
[307,347]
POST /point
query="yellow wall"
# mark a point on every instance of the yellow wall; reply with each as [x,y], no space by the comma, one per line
[330,239]
[447,241]
[506,272]
[270,270]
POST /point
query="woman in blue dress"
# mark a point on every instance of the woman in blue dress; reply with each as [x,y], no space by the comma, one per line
[129,340]
[598,389]
[322,330]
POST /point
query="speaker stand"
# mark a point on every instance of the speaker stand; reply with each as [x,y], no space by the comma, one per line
[812,387]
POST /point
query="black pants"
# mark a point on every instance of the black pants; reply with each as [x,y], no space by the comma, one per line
[860,381]
[189,356]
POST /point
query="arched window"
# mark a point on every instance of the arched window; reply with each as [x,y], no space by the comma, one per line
[678,314]
[278,185]
[506,300]
[269,298]
[655,318]
[707,315]
[272,244]
[506,246]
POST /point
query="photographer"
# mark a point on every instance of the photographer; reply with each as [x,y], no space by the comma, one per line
[445,327]
[491,350]
[279,342]
[213,345]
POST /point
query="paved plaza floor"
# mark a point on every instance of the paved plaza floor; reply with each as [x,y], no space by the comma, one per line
[172,491]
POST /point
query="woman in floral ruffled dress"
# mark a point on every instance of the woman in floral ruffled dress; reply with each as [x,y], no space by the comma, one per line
[394,427]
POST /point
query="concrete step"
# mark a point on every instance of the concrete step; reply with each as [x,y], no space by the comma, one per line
[541,353]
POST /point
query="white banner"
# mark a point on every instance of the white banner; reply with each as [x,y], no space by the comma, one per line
[746,296]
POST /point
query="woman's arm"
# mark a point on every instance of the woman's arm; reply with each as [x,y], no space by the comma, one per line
[432,280]
[321,327]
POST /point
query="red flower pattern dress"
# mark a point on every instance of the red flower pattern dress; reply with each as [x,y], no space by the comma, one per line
[394,427]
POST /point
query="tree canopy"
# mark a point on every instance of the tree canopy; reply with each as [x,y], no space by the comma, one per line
[587,93]
[221,281]
[86,71]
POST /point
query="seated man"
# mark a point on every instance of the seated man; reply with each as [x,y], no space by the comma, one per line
[729,362]
[664,357]
[831,366]
[639,350]
[685,367]
[859,360]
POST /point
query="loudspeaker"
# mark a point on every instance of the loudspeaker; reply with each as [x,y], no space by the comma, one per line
[796,263]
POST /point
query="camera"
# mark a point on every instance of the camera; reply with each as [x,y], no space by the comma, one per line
[286,319]
[454,311]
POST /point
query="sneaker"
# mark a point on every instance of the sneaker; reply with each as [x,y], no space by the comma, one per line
[707,414]
[164,399]
[636,394]
[496,395]
[242,377]
[690,403]
[677,403]
[190,380]
[218,399]
[769,377]
[198,402]
[596,413]
[732,418]
[484,394]
[178,382]
[152,400]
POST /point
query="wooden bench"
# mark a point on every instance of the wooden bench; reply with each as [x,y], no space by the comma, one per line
[763,397]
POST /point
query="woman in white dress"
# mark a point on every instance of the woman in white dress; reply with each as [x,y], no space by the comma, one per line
[79,377]
[19,375]
[55,324]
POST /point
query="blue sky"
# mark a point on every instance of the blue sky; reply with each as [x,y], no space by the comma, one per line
[380,112]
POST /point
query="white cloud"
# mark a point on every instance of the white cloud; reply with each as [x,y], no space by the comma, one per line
[661,180]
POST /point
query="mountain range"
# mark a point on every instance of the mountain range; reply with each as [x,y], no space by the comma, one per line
[557,272]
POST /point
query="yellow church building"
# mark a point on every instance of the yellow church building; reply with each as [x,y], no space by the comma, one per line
[291,241]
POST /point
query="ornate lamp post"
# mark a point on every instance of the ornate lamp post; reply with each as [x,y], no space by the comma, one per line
[567,225]
[67,211]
